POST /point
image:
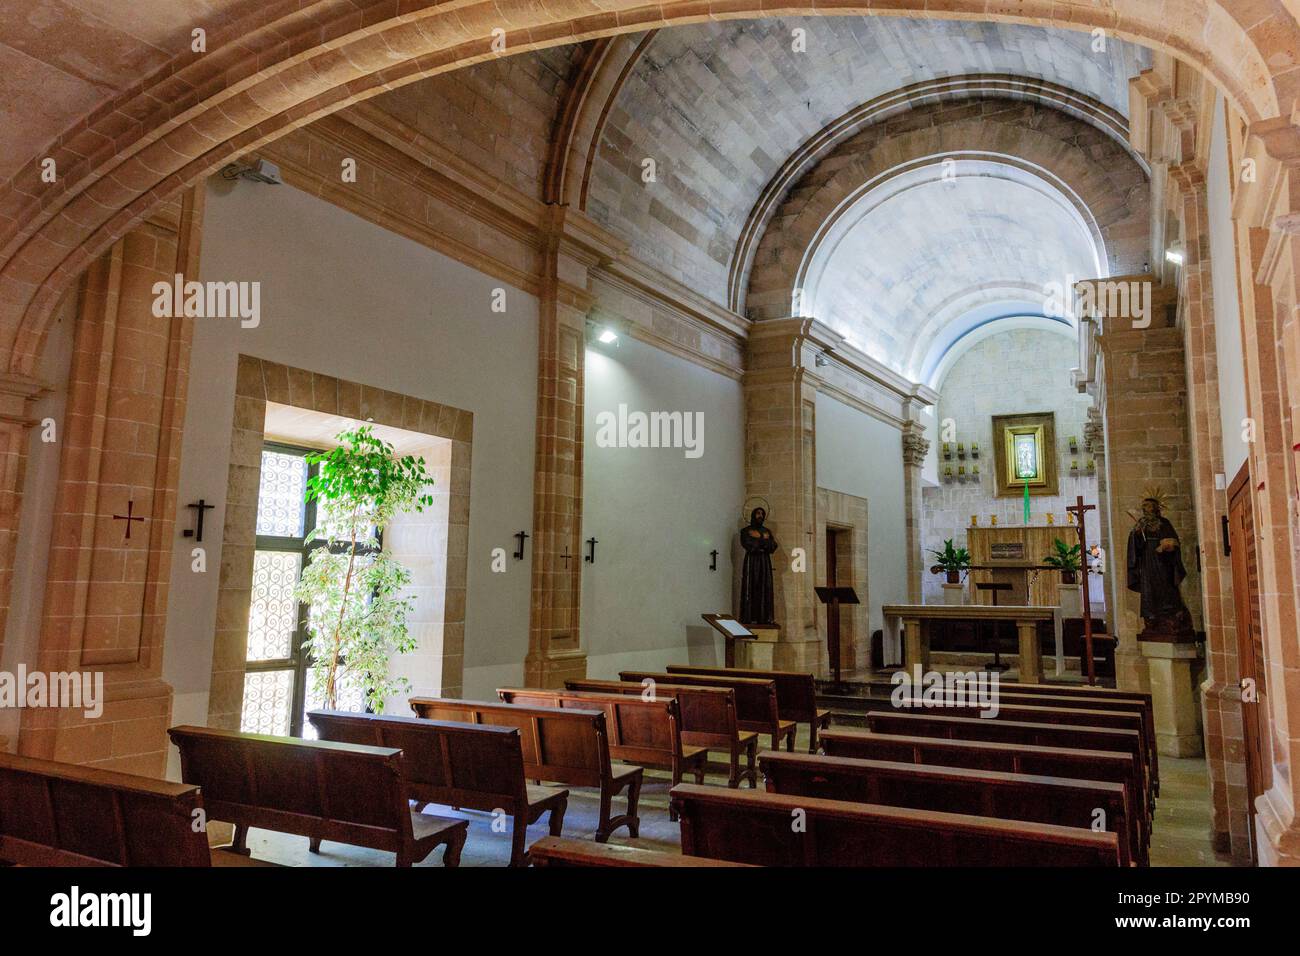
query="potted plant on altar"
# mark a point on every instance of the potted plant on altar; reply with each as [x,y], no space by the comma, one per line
[356,619]
[1064,559]
[952,561]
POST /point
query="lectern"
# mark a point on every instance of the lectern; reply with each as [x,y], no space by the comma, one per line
[833,598]
[731,631]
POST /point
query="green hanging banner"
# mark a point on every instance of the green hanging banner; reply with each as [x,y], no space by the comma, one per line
[1026,501]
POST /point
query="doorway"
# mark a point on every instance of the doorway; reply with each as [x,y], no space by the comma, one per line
[1250,651]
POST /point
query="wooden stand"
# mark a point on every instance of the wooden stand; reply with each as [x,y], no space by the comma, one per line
[833,598]
[731,630]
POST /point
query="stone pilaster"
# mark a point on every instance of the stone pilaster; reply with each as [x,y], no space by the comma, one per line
[780,447]
[914,451]
[106,591]
[554,644]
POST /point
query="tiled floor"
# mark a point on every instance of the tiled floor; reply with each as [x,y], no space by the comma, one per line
[1181,836]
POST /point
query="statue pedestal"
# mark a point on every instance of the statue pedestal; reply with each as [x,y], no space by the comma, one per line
[954,594]
[1172,669]
[759,653]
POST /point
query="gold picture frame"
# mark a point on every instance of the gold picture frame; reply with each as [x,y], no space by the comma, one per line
[1024,448]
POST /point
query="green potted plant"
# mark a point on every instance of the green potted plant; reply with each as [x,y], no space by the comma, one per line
[1064,559]
[356,620]
[952,561]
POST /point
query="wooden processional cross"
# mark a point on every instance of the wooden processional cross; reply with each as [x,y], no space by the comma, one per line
[1079,509]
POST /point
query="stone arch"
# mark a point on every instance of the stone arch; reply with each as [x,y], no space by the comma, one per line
[286,67]
[1091,166]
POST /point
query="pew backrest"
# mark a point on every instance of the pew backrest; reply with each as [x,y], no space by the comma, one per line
[708,713]
[58,814]
[796,692]
[349,793]
[988,793]
[559,851]
[445,762]
[640,731]
[756,707]
[747,826]
[563,745]
[932,724]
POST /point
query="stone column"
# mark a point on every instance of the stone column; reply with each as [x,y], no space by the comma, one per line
[554,646]
[780,413]
[914,451]
[106,589]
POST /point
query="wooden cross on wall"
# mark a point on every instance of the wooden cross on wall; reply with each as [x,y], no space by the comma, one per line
[1079,510]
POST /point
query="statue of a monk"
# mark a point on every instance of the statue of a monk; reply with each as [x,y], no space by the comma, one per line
[1155,571]
[757,605]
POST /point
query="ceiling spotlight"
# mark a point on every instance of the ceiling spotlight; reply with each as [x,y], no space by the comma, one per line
[259,172]
[821,361]
[607,337]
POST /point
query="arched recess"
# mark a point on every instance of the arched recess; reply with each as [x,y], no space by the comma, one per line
[1106,184]
[925,94]
[288,65]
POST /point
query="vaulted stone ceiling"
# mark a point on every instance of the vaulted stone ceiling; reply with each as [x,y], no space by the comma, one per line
[721,107]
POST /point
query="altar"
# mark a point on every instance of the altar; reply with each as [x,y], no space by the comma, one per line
[916,621]
[1014,555]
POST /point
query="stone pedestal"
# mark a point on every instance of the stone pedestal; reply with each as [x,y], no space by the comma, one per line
[759,653]
[1173,670]
[954,594]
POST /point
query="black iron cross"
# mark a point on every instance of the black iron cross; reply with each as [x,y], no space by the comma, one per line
[199,507]
[714,555]
[128,518]
[566,556]
[591,545]
[522,536]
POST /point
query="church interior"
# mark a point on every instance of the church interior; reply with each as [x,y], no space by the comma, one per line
[593,433]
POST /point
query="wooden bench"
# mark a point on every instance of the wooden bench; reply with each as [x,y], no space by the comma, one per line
[1079,715]
[930,724]
[771,829]
[708,721]
[555,851]
[60,814]
[756,708]
[986,793]
[1103,765]
[456,765]
[643,732]
[796,694]
[315,788]
[560,745]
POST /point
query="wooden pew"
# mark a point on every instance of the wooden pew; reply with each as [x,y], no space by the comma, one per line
[317,789]
[751,827]
[565,746]
[1103,765]
[756,708]
[1080,715]
[60,814]
[932,724]
[554,851]
[456,765]
[987,793]
[708,721]
[796,694]
[643,732]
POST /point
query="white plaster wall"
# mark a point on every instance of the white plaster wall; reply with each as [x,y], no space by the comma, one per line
[1227,312]
[657,514]
[346,298]
[863,456]
[1014,372]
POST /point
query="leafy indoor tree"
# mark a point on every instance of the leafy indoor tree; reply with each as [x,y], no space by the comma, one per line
[1065,558]
[356,618]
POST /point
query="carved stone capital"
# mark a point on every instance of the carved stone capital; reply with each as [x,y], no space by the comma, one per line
[914,449]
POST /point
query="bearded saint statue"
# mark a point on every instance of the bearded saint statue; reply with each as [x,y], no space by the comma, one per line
[757,598]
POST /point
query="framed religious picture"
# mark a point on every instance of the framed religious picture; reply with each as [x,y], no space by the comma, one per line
[1024,451]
